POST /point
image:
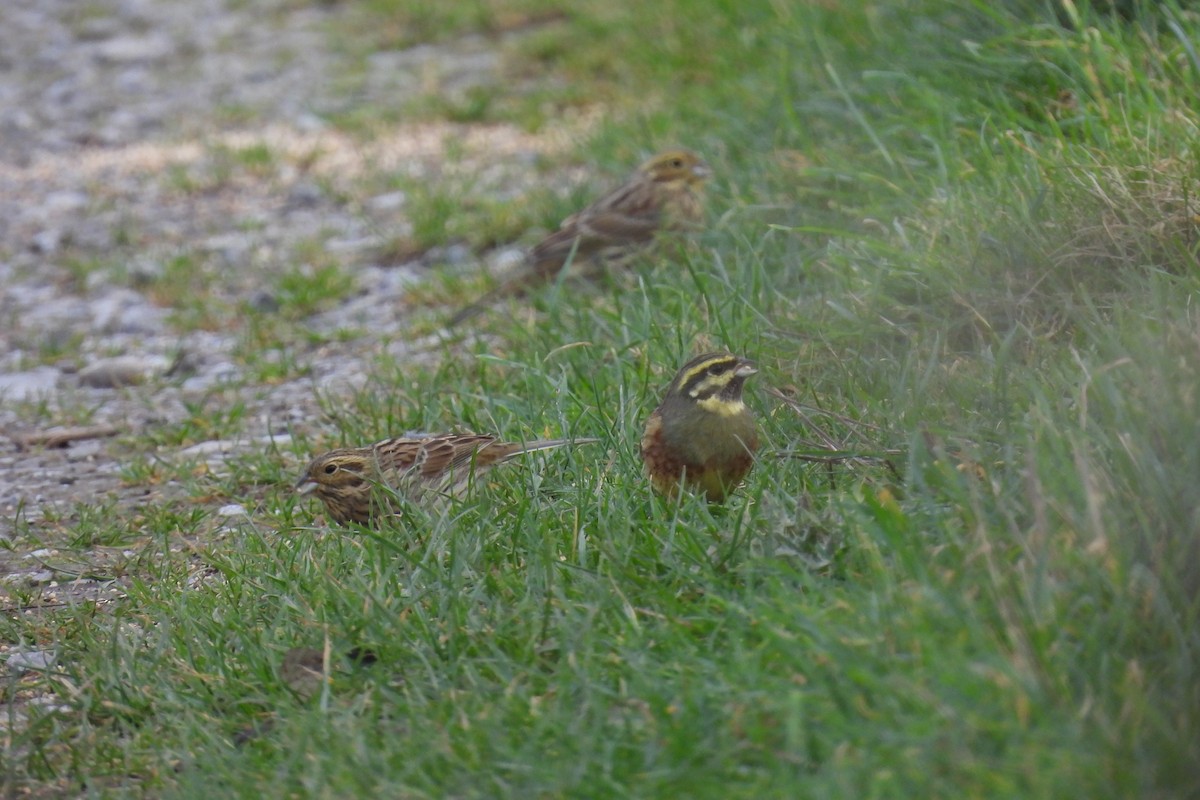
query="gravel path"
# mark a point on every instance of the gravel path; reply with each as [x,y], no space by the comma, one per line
[123,199]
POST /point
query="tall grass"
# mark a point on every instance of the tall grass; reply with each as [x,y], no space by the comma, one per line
[961,235]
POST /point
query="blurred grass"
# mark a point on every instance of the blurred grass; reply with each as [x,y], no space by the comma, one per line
[972,227]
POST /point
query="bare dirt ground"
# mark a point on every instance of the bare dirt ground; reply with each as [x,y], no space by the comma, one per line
[117,121]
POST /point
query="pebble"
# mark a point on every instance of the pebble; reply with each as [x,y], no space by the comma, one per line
[263,300]
[233,248]
[113,373]
[348,245]
[506,259]
[126,311]
[392,201]
[211,447]
[304,194]
[22,660]
[47,241]
[457,255]
[232,510]
[144,270]
[128,49]
[225,445]
[64,201]
[224,372]
[35,578]
[22,386]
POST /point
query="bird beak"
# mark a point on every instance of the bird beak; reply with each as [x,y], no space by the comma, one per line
[305,485]
[745,370]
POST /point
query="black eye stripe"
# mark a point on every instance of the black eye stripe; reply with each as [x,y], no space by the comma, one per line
[711,368]
[696,380]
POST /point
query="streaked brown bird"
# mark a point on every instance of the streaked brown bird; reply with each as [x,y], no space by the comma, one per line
[702,436]
[348,481]
[665,193]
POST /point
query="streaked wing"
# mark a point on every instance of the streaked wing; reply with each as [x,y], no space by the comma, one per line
[614,227]
[449,456]
[403,459]
[397,455]
[591,234]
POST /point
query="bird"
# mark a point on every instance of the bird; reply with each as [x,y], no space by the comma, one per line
[664,193]
[346,480]
[701,436]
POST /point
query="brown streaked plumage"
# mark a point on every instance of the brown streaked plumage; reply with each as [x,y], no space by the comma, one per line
[347,481]
[665,193]
[702,436]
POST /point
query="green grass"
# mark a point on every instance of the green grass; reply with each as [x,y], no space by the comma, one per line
[964,233]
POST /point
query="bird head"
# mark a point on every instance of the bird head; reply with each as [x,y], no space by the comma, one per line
[335,471]
[713,382]
[677,167]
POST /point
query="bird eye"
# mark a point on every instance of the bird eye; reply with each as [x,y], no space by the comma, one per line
[677,163]
[330,469]
[719,368]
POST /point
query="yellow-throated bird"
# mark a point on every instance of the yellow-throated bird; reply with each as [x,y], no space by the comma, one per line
[702,436]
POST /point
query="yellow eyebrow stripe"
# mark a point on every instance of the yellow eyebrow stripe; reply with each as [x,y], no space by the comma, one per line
[702,368]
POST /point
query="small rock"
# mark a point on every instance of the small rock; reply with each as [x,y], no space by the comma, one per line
[305,194]
[263,301]
[353,244]
[35,578]
[98,27]
[22,660]
[112,373]
[17,120]
[217,375]
[20,386]
[233,248]
[91,233]
[310,123]
[459,254]
[506,259]
[392,201]
[66,366]
[210,447]
[85,450]
[126,311]
[49,704]
[64,201]
[128,49]
[48,311]
[144,271]
[231,510]
[47,241]
[135,80]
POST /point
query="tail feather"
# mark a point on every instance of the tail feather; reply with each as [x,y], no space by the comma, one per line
[542,264]
[509,288]
[547,444]
[473,309]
